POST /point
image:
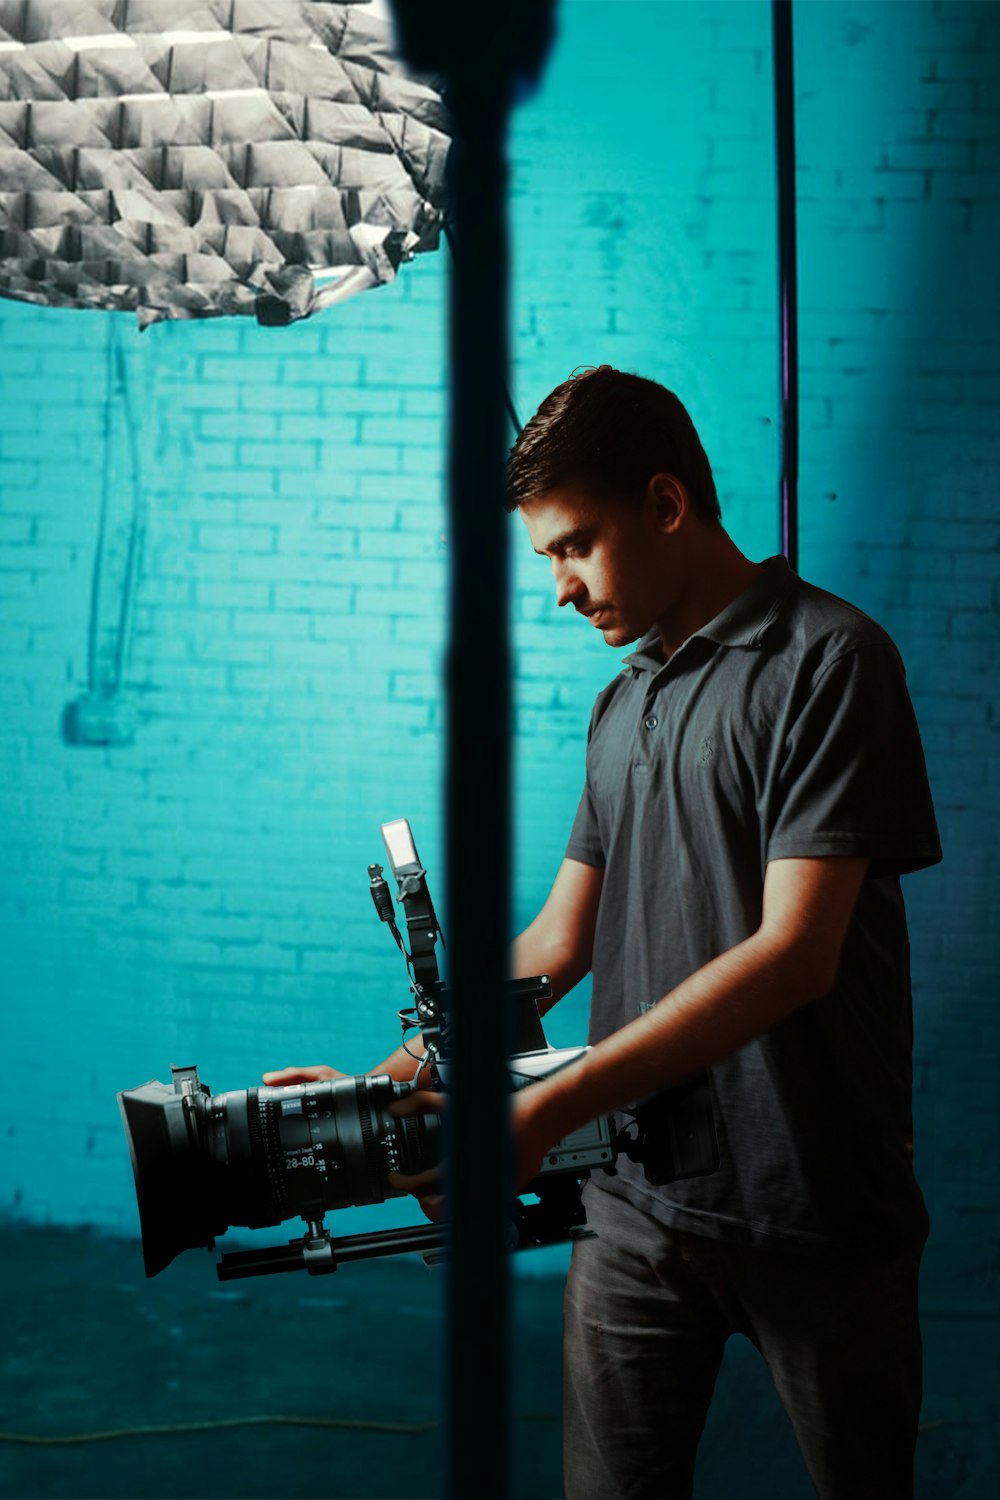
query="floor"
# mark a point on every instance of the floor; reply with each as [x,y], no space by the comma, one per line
[91,1347]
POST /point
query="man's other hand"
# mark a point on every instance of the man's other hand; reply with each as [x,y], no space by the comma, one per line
[282,1077]
[425,1186]
[530,1144]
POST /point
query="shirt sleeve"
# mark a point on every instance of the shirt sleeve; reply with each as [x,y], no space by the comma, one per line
[851,777]
[585,837]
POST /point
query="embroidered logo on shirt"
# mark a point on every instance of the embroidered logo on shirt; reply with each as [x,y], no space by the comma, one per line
[707,751]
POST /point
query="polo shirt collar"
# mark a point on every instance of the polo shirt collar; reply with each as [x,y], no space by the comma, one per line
[743,622]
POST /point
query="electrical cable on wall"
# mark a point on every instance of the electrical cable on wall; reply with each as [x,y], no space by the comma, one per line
[103,714]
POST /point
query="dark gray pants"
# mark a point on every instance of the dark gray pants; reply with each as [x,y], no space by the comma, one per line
[648,1311]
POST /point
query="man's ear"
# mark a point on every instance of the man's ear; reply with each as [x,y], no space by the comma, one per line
[669,501]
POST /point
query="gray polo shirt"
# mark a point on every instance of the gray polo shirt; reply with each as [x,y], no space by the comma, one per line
[782,728]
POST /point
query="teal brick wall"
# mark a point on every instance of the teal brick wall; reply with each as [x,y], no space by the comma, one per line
[200,895]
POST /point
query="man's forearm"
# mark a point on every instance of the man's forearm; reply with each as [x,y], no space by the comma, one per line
[533,954]
[718,1009]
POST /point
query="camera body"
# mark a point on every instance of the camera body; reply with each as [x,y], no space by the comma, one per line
[255,1157]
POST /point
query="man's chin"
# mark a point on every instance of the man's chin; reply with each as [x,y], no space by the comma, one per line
[617,634]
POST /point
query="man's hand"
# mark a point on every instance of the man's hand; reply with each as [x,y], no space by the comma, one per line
[530,1146]
[281,1077]
[531,1139]
[425,1186]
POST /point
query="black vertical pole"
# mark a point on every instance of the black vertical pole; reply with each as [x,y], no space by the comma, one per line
[479,1179]
[515,420]
[482,54]
[784,115]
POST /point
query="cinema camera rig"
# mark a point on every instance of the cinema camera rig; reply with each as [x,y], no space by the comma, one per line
[254,1157]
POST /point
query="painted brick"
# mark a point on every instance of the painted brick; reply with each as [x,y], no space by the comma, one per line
[213,397]
[226,425]
[344,401]
[328,371]
[285,455]
[412,431]
[973,625]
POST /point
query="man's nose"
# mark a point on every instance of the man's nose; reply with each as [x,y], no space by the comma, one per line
[568,586]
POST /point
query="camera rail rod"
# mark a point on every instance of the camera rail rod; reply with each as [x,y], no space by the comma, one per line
[557,1213]
[296,1256]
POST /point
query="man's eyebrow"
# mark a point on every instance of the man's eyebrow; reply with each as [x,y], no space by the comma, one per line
[566,539]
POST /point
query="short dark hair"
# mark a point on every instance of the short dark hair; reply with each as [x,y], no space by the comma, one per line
[607,433]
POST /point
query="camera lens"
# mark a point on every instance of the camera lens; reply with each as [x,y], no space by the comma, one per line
[254,1157]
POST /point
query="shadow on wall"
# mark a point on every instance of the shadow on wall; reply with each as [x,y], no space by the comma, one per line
[899,283]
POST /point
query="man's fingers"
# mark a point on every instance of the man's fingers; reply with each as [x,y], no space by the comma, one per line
[281,1077]
[414,1182]
[423,1102]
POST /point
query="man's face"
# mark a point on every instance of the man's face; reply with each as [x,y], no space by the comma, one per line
[608,559]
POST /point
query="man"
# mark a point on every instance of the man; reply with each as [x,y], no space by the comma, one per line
[755,786]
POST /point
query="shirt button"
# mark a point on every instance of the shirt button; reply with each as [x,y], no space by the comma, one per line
[651,721]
